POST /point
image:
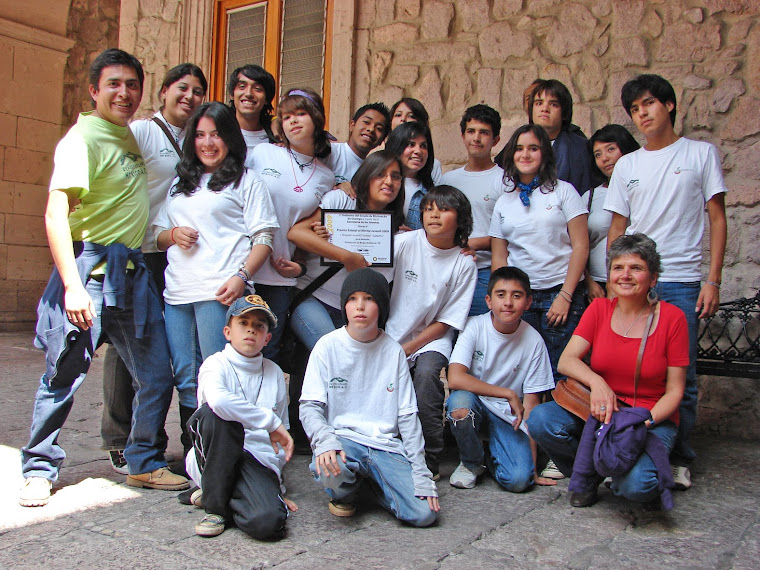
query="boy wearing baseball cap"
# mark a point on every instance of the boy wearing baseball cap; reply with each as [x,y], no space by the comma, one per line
[359,410]
[239,431]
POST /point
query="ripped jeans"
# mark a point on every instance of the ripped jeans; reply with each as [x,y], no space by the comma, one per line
[510,460]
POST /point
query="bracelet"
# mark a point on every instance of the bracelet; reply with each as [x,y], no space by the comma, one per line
[244,271]
[303,269]
[171,234]
[569,297]
[715,284]
[247,281]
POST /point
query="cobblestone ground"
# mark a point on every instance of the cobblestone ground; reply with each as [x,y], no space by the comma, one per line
[95,520]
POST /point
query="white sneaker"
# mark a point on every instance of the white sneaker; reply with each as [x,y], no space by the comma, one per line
[681,477]
[551,471]
[464,478]
[35,492]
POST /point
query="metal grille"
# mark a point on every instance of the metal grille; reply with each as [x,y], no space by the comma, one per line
[245,37]
[302,60]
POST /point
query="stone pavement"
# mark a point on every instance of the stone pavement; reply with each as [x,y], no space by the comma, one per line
[95,520]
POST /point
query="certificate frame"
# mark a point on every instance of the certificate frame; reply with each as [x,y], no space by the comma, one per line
[369,233]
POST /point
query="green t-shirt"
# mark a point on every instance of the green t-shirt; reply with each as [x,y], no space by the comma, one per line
[102,163]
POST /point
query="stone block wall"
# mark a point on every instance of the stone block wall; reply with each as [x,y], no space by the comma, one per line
[453,54]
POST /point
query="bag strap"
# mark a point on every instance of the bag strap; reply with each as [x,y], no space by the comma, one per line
[640,357]
[169,135]
[313,286]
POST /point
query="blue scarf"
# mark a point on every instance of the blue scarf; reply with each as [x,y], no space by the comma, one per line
[526,190]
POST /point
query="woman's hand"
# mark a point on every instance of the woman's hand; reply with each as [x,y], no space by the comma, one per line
[353,261]
[347,188]
[184,236]
[603,402]
[231,290]
[557,314]
[285,267]
[320,230]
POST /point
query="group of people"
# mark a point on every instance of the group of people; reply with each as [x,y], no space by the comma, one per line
[192,244]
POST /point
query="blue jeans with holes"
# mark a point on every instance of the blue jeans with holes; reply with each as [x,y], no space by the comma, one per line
[146,361]
[510,459]
[195,332]
[558,432]
[390,475]
[313,319]
[684,296]
[556,338]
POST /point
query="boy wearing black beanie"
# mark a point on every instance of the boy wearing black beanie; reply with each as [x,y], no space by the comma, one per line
[359,410]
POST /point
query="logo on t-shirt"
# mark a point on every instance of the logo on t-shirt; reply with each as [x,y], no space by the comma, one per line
[132,164]
[679,170]
[166,153]
[338,383]
[478,355]
[632,184]
[410,275]
[390,387]
[270,172]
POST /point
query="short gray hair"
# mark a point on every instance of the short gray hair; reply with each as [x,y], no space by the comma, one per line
[635,244]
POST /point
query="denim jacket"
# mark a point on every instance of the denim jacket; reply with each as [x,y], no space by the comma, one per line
[54,330]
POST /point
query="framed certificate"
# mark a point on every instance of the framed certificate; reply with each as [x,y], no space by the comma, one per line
[367,233]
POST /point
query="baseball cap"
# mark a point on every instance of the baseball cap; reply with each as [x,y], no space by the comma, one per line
[250,303]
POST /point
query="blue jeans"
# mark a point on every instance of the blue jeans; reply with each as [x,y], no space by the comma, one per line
[684,296]
[559,432]
[479,306]
[390,475]
[146,361]
[313,319]
[556,338]
[278,299]
[510,459]
[195,332]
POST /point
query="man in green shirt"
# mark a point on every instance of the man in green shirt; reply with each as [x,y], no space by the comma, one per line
[96,216]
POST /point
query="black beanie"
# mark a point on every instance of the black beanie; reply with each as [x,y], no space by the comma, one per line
[368,281]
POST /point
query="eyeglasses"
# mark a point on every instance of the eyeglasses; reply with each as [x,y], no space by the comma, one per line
[395,176]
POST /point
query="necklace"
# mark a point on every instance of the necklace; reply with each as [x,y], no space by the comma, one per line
[622,326]
[298,187]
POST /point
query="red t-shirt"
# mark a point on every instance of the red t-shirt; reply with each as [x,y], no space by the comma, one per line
[613,356]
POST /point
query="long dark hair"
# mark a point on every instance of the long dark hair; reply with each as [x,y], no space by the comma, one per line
[266,80]
[308,100]
[547,174]
[617,134]
[400,138]
[190,168]
[373,167]
[449,198]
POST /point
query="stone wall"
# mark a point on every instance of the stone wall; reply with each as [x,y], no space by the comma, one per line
[32,58]
[452,54]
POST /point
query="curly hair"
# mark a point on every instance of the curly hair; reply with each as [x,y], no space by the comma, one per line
[447,197]
[190,168]
[547,174]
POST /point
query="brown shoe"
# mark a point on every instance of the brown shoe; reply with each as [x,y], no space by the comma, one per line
[162,479]
[341,509]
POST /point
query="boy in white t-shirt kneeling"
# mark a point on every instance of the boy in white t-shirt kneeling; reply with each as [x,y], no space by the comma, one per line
[358,409]
[240,422]
[497,371]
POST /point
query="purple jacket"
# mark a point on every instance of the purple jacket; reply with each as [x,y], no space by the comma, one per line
[611,450]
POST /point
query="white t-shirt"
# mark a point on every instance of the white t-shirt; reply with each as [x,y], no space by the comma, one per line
[352,378]
[329,292]
[518,361]
[252,139]
[663,193]
[295,195]
[437,172]
[599,221]
[250,391]
[429,284]
[343,161]
[482,189]
[161,162]
[225,222]
[538,242]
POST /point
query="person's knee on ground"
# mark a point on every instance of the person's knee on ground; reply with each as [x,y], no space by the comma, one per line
[262,525]
[514,482]
[420,515]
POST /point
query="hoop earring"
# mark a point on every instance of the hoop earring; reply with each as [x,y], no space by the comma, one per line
[652,296]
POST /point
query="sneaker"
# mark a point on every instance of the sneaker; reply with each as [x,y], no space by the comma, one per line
[35,492]
[551,471]
[465,478]
[197,498]
[118,463]
[681,477]
[161,479]
[211,525]
[341,509]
